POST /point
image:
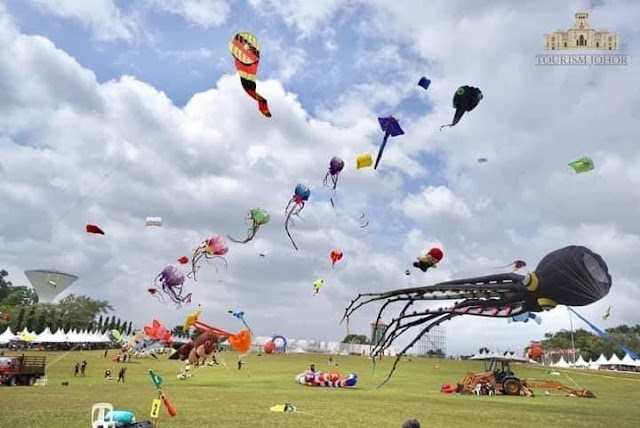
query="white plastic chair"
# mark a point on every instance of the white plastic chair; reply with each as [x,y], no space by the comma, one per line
[98,412]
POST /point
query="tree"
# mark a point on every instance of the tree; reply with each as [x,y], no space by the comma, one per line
[100,323]
[19,321]
[80,311]
[41,324]
[359,339]
[130,328]
[31,319]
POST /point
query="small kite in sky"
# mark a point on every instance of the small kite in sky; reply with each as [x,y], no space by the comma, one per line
[583,164]
[483,160]
[429,260]
[336,165]
[465,99]
[517,264]
[364,161]
[317,286]
[153,221]
[365,221]
[295,205]
[335,256]
[183,260]
[424,83]
[171,281]
[92,228]
[392,128]
[607,314]
[211,248]
[245,49]
[256,218]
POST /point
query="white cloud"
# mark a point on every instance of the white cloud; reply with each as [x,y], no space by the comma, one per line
[306,16]
[103,17]
[202,166]
[203,13]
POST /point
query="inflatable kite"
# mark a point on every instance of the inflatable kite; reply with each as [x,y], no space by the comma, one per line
[295,205]
[424,83]
[49,283]
[429,260]
[271,346]
[197,351]
[335,256]
[153,221]
[483,160]
[365,221]
[92,228]
[525,317]
[245,49]
[517,264]
[465,99]
[391,127]
[240,316]
[183,260]
[256,218]
[317,286]
[364,161]
[583,164]
[171,281]
[330,380]
[240,342]
[572,276]
[211,248]
[336,165]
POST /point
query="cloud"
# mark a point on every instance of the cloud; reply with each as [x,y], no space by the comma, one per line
[77,151]
[103,17]
[305,16]
[203,13]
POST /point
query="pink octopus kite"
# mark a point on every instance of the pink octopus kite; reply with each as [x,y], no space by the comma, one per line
[211,248]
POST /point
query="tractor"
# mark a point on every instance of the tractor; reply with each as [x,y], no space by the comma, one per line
[498,373]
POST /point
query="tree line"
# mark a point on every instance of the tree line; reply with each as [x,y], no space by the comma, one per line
[592,345]
[21,305]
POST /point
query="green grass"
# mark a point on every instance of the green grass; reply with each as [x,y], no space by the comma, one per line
[220,397]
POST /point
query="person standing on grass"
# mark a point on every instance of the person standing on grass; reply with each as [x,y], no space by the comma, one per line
[240,364]
[106,351]
[83,367]
[121,374]
[76,370]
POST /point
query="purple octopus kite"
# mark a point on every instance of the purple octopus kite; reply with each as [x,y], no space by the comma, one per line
[171,281]
[336,165]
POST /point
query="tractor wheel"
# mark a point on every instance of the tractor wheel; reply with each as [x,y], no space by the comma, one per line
[31,381]
[511,387]
[13,381]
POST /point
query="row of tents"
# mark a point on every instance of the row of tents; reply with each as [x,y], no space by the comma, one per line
[602,361]
[60,336]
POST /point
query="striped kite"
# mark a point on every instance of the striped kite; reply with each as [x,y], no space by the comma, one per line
[245,49]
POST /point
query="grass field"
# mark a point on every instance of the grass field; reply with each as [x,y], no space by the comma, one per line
[225,397]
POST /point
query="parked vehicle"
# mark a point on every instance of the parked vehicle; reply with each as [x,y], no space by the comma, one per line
[22,370]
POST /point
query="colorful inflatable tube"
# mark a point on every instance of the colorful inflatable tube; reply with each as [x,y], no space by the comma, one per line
[330,380]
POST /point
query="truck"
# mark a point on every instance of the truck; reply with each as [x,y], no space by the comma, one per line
[23,370]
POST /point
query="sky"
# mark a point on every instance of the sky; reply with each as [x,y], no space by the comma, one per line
[112,111]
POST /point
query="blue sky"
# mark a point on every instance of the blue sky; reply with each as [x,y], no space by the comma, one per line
[203,156]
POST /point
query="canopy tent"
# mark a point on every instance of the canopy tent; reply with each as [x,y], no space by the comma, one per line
[7,336]
[628,361]
[614,360]
[561,363]
[581,362]
[601,361]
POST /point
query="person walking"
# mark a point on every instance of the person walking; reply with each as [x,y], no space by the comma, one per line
[83,366]
[121,374]
[76,370]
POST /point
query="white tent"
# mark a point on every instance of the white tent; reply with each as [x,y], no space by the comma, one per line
[614,360]
[59,336]
[562,363]
[601,361]
[628,361]
[581,362]
[44,337]
[7,336]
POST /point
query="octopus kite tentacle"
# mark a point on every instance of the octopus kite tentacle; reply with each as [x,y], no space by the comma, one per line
[573,276]
[295,211]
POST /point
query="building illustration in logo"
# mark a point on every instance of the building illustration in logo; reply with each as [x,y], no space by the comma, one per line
[581,37]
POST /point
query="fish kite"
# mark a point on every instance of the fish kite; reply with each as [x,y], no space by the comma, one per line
[583,164]
[391,127]
[92,228]
[245,49]
[424,83]
[429,260]
[296,204]
[465,99]
[256,218]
